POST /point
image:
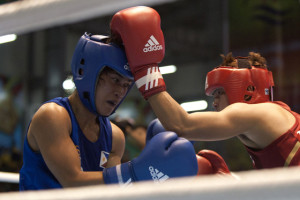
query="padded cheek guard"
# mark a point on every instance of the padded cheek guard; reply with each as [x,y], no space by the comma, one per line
[235,82]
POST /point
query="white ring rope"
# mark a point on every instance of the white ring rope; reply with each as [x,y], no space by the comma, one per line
[269,184]
[32,15]
[9,177]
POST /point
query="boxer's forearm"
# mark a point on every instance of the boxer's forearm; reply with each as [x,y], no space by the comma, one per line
[169,112]
[204,126]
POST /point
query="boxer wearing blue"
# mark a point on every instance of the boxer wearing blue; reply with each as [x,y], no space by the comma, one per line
[70,141]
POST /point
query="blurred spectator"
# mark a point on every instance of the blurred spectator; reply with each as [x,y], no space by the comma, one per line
[135,141]
[135,135]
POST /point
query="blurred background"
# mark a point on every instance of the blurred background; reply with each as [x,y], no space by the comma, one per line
[35,65]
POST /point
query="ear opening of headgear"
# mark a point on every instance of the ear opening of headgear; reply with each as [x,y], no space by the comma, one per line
[248,85]
[250,90]
[91,55]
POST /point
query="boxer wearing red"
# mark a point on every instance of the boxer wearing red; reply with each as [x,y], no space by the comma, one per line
[284,151]
[241,87]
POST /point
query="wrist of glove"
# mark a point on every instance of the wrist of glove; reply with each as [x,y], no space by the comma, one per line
[149,80]
[119,174]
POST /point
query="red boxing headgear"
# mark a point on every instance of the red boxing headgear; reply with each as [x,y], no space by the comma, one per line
[236,81]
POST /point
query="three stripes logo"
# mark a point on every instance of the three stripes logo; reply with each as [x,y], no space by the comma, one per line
[152,45]
[157,176]
[150,79]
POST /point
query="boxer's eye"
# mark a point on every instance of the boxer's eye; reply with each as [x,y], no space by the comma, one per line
[217,93]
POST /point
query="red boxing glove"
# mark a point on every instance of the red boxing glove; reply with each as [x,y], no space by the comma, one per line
[218,165]
[139,30]
[204,166]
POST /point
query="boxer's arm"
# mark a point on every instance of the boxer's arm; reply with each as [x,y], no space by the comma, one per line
[134,31]
[230,122]
[49,133]
[118,146]
[238,119]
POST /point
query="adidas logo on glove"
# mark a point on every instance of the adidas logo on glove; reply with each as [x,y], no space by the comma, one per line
[152,45]
[157,176]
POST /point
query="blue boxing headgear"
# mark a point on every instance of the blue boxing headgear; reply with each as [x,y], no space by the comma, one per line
[91,55]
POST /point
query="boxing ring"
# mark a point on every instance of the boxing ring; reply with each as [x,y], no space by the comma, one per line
[26,16]
[272,184]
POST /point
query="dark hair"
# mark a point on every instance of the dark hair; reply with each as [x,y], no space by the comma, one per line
[253,59]
[116,39]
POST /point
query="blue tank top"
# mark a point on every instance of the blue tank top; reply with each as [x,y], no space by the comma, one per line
[35,174]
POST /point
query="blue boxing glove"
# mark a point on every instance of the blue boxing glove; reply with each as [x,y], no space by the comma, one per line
[165,156]
[154,128]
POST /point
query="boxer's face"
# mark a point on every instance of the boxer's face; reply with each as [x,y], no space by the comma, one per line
[110,90]
[220,99]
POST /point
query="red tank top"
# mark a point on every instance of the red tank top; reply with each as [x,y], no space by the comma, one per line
[284,151]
